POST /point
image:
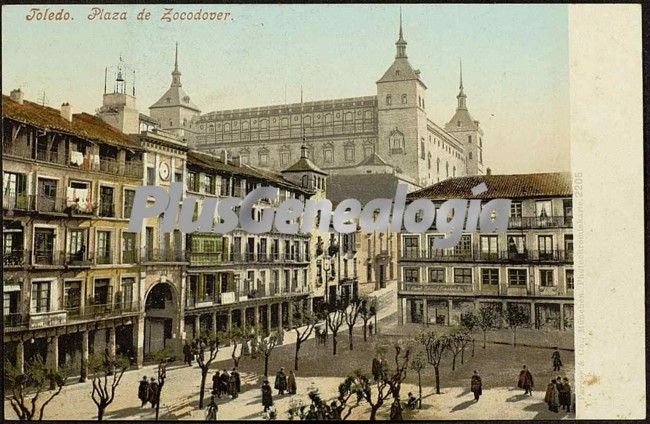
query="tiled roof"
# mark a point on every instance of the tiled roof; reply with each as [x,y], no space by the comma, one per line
[177,97]
[362,187]
[304,164]
[400,70]
[552,184]
[211,162]
[83,125]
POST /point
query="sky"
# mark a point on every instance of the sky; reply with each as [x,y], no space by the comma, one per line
[515,62]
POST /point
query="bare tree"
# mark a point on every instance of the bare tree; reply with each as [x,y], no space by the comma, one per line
[163,358]
[470,321]
[465,339]
[435,347]
[417,364]
[36,378]
[267,344]
[455,346]
[334,321]
[515,317]
[207,349]
[350,313]
[307,321]
[106,374]
[237,339]
[367,312]
[487,319]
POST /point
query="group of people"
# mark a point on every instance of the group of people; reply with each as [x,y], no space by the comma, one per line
[284,383]
[558,395]
[226,384]
[149,392]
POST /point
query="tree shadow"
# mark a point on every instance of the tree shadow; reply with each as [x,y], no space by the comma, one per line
[463,405]
[463,393]
[517,398]
[130,413]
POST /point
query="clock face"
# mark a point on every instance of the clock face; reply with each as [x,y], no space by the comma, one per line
[164,171]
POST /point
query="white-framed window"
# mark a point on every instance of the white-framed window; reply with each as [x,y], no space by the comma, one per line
[546,278]
[568,275]
[462,275]
[490,276]
[41,296]
[437,275]
[411,275]
[517,276]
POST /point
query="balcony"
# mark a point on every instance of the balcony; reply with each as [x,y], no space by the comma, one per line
[48,258]
[428,288]
[95,311]
[13,320]
[226,298]
[15,258]
[162,255]
[47,319]
[129,256]
[104,258]
[555,221]
[79,259]
[19,201]
[527,256]
[107,210]
[205,258]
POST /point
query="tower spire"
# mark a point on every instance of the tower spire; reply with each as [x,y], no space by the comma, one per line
[176,74]
[401,43]
[461,94]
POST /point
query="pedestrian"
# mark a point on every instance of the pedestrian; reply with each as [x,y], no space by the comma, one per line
[232,385]
[291,383]
[370,327]
[216,389]
[335,411]
[552,397]
[153,392]
[280,381]
[476,385]
[237,379]
[411,402]
[187,354]
[565,395]
[526,381]
[143,391]
[224,380]
[557,361]
[396,410]
[211,414]
[267,395]
[376,368]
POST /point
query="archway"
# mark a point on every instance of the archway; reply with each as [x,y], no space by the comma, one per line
[161,319]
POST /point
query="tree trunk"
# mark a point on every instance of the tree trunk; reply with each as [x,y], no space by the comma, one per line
[350,337]
[437,380]
[365,326]
[100,412]
[484,338]
[453,363]
[473,346]
[333,344]
[266,365]
[420,390]
[514,336]
[373,412]
[204,373]
[295,358]
[462,356]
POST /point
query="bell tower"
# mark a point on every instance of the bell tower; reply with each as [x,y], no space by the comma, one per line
[118,106]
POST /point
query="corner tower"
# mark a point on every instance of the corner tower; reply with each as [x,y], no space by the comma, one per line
[174,110]
[402,120]
[468,131]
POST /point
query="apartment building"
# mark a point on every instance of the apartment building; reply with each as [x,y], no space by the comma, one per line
[530,265]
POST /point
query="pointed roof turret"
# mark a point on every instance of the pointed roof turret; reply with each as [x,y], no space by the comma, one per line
[461,120]
[175,96]
[462,98]
[400,43]
[401,69]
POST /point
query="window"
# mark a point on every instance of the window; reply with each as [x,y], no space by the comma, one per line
[462,275]
[546,278]
[46,194]
[447,168]
[403,99]
[128,248]
[411,275]
[454,171]
[285,157]
[349,152]
[368,150]
[209,184]
[192,181]
[569,279]
[411,246]
[517,277]
[103,291]
[490,276]
[107,209]
[389,100]
[438,165]
[72,296]
[41,296]
[76,245]
[429,161]
[151,175]
[178,177]
[433,252]
[225,186]
[489,247]
[44,246]
[263,157]
[568,211]
[103,247]
[543,208]
[129,195]
[470,155]
[14,191]
[464,246]
[437,275]
[127,292]
[568,246]
[396,142]
[469,139]
[328,154]
[545,246]
[515,209]
[516,246]
[422,153]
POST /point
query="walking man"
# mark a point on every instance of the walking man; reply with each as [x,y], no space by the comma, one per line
[552,397]
[280,381]
[291,383]
[211,414]
[557,361]
[565,395]
[267,395]
[476,386]
[143,391]
[153,393]
[187,354]
[526,381]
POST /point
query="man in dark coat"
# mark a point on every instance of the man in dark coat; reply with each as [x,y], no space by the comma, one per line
[565,395]
[216,387]
[143,391]
[187,354]
[552,398]
[237,379]
[211,414]
[396,410]
[224,380]
[280,381]
[476,386]
[376,368]
[526,381]
[557,361]
[153,392]
[232,385]
[267,395]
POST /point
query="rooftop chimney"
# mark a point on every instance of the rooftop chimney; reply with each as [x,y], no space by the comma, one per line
[17,96]
[66,111]
[488,171]
[224,156]
[236,160]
